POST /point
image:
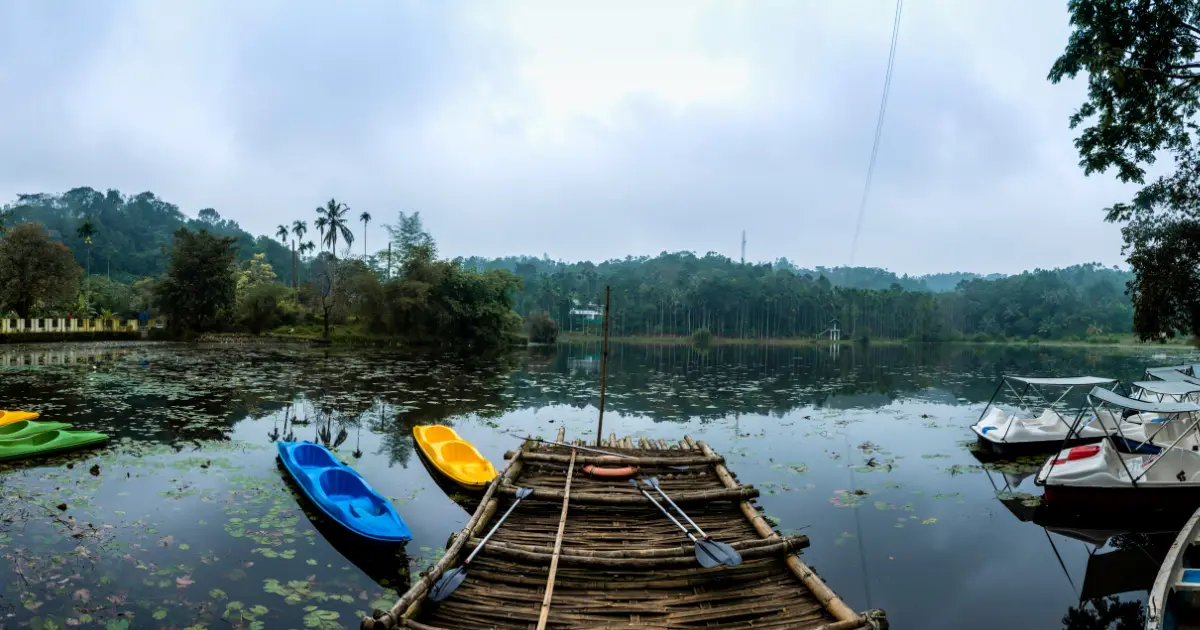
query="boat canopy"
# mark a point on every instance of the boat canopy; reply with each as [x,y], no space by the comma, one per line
[1168,388]
[1146,406]
[1070,381]
[1171,374]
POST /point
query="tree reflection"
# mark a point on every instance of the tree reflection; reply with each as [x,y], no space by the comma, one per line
[1106,613]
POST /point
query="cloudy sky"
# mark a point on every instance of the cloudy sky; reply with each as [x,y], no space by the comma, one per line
[579,129]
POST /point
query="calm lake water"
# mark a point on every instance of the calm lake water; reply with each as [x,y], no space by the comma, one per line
[186,520]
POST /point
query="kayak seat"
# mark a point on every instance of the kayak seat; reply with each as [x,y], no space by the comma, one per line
[311,456]
[1189,579]
[364,507]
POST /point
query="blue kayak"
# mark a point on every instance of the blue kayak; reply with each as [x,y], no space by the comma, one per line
[341,493]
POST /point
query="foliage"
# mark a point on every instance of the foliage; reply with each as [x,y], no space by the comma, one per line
[130,234]
[258,272]
[676,294]
[35,272]
[200,291]
[263,307]
[1142,103]
[332,219]
[540,328]
[702,337]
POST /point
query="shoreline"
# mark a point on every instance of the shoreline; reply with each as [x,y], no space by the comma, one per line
[1123,341]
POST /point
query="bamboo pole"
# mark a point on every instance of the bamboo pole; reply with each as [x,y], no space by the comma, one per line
[387,619]
[562,526]
[603,366]
[820,590]
[628,497]
[773,549]
[562,433]
[683,550]
[653,460]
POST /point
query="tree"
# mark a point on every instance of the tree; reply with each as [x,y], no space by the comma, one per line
[321,223]
[200,290]
[334,214]
[86,231]
[258,271]
[1144,101]
[365,217]
[35,271]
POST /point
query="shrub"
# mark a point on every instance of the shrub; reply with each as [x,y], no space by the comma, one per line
[702,337]
[540,328]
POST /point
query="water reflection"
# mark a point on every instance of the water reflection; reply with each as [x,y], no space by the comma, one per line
[864,449]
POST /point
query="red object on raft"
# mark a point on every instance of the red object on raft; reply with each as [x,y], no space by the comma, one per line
[610,472]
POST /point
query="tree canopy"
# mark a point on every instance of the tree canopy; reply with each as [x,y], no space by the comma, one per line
[200,288]
[1143,78]
[35,271]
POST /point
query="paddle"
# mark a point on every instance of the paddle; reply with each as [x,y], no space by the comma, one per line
[707,554]
[733,558]
[450,580]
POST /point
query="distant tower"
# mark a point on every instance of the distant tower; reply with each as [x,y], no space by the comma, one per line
[743,247]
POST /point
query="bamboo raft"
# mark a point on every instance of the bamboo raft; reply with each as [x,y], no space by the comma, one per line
[587,552]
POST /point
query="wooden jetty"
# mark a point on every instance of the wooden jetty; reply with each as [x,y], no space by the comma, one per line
[588,552]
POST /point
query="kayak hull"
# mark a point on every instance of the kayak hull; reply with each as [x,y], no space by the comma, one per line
[342,494]
[26,428]
[9,417]
[48,443]
[454,457]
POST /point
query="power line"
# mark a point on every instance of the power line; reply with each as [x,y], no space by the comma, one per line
[887,86]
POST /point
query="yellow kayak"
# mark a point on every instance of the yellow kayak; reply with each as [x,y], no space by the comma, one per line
[454,457]
[9,417]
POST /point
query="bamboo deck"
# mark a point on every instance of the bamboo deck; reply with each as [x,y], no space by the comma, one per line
[583,552]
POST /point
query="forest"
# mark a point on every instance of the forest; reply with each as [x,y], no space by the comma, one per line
[310,273]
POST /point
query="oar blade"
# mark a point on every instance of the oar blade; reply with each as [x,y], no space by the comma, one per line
[707,555]
[727,554]
[447,584]
[524,492]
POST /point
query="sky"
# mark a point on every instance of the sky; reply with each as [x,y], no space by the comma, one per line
[581,130]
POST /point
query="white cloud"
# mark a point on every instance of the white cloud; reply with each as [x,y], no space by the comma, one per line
[588,129]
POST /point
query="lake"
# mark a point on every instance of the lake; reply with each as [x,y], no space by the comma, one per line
[186,520]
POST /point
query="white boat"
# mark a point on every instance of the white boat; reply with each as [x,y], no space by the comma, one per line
[1174,603]
[1023,431]
[1166,461]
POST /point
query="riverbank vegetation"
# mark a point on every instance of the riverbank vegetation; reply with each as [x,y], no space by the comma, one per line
[676,295]
[312,273]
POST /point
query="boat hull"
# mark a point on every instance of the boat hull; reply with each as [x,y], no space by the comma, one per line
[342,494]
[453,457]
[27,428]
[9,417]
[1016,449]
[48,443]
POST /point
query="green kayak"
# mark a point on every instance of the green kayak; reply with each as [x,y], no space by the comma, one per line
[48,443]
[26,428]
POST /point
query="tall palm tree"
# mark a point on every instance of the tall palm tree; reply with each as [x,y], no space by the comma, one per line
[307,247]
[282,232]
[299,228]
[321,224]
[365,217]
[86,231]
[334,214]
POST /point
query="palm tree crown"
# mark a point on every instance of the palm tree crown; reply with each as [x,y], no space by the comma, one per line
[334,214]
[365,217]
[282,232]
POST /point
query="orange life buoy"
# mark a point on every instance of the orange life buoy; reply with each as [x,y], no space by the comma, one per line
[610,472]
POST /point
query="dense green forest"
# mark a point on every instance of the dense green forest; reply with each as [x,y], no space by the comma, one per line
[677,294]
[128,243]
